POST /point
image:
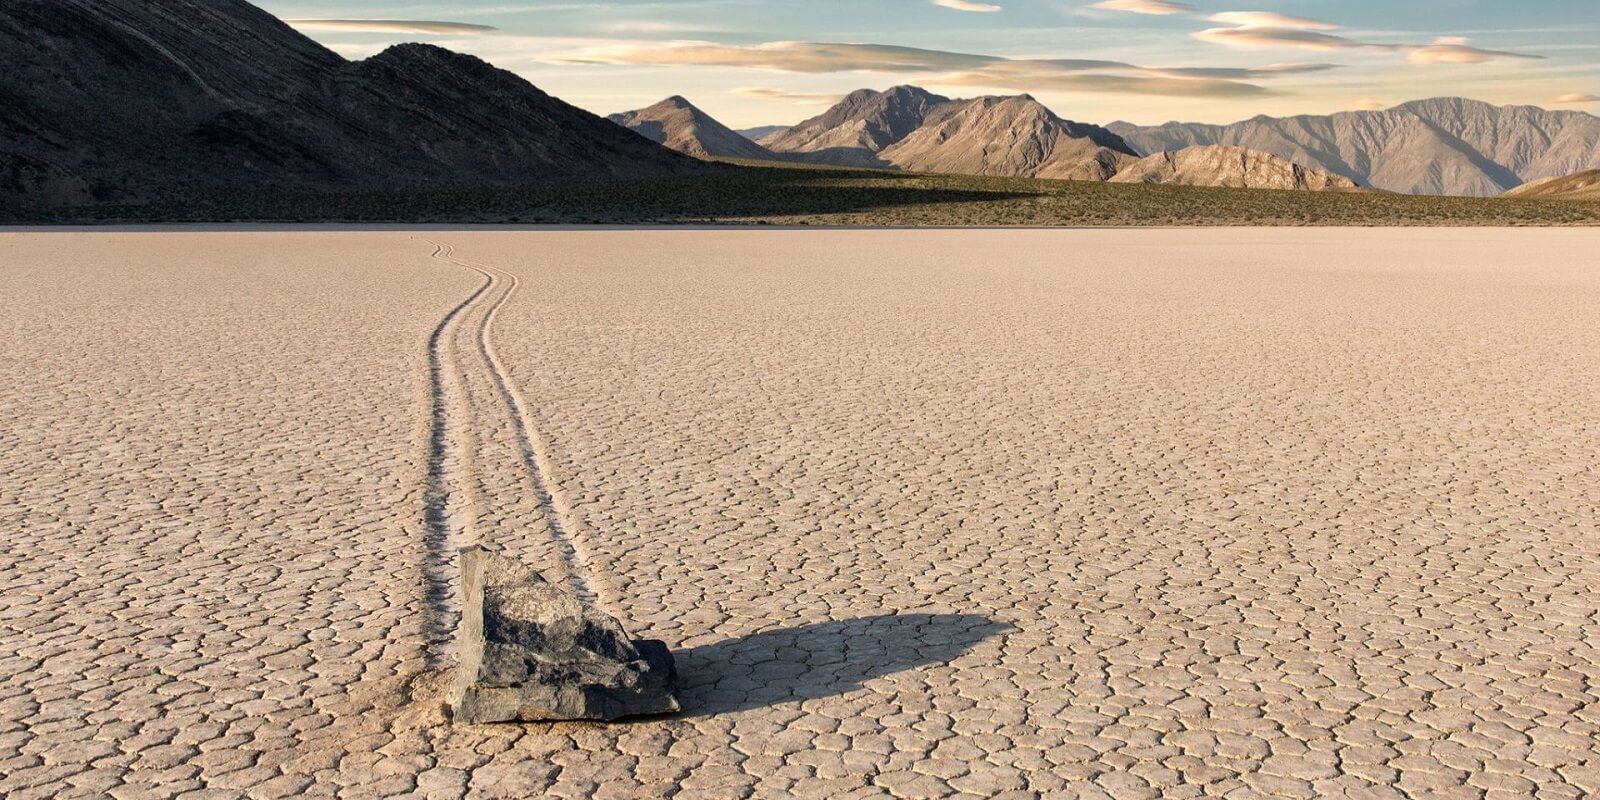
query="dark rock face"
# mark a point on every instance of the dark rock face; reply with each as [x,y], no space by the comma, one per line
[124,100]
[531,651]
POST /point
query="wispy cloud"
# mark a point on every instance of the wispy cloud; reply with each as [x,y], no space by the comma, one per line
[806,57]
[1035,76]
[1283,37]
[1457,50]
[1273,30]
[1271,19]
[1577,99]
[1268,71]
[407,26]
[968,5]
[804,98]
[1151,7]
[968,69]
[654,26]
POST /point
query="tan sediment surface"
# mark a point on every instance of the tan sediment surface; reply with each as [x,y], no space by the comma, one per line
[925,513]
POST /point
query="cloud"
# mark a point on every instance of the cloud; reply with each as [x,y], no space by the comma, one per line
[388,26]
[966,69]
[1268,71]
[1269,29]
[1455,50]
[968,5]
[1284,37]
[651,26]
[805,57]
[1152,7]
[1577,99]
[1027,77]
[805,98]
[1271,19]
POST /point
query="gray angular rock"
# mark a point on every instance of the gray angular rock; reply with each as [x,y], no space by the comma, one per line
[531,651]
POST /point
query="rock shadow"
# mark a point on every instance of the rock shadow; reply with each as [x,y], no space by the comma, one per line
[821,659]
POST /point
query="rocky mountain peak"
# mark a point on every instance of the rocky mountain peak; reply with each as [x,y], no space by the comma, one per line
[681,126]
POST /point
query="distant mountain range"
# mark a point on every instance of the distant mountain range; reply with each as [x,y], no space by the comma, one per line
[1448,145]
[117,100]
[906,128]
[1443,146]
[912,129]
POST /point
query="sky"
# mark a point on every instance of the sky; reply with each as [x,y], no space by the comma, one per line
[760,62]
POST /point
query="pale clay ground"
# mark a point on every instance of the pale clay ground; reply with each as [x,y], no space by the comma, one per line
[1174,513]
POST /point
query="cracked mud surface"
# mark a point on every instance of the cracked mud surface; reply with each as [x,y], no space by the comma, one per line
[1122,514]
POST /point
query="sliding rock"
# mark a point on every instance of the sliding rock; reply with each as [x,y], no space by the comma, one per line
[533,651]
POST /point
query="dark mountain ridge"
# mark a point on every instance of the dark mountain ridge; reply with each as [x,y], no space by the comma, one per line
[122,100]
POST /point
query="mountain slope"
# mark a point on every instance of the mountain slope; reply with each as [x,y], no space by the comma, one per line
[909,128]
[678,124]
[1008,136]
[121,100]
[1232,167]
[1581,186]
[857,128]
[760,132]
[1439,146]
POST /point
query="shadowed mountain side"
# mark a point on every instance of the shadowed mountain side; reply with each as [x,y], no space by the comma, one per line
[118,100]
[1582,186]
[723,192]
[845,157]
[823,659]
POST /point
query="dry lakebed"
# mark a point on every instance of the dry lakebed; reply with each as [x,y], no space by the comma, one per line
[990,513]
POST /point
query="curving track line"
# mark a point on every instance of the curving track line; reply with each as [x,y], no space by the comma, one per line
[534,450]
[448,502]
